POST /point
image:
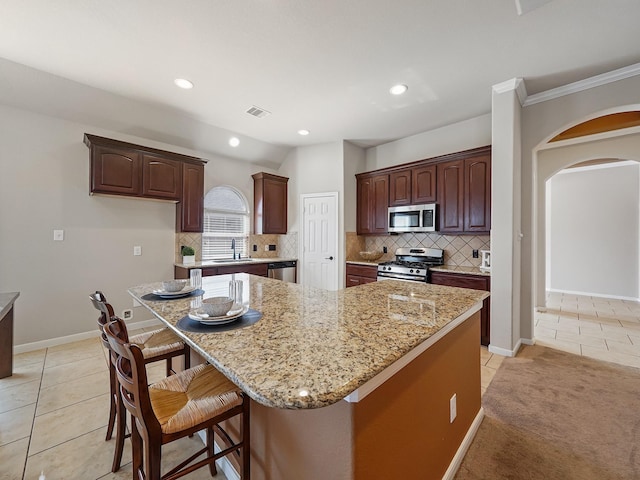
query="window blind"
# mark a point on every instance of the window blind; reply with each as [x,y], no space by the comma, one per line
[226,218]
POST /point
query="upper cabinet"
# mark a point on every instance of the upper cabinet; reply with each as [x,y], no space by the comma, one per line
[460,184]
[269,203]
[190,209]
[372,204]
[121,168]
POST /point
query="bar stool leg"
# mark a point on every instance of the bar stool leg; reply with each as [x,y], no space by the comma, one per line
[211,450]
[113,391]
[121,424]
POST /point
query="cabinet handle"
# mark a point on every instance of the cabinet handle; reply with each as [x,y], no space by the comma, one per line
[328,258]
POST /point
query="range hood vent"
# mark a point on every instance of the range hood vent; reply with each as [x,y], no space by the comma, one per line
[258,112]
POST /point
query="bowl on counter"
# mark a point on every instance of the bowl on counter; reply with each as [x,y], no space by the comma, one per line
[216,306]
[370,256]
[174,285]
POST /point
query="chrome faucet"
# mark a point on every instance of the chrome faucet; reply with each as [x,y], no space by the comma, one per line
[233,246]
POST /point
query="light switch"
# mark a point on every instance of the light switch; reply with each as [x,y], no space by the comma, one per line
[58,235]
[137,250]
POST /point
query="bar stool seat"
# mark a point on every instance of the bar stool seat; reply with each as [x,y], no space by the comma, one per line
[187,399]
[157,342]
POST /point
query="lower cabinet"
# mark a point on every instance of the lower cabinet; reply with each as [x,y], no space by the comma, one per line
[361,274]
[259,269]
[476,282]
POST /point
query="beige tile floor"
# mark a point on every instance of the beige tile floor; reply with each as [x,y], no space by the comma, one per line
[600,328]
[54,412]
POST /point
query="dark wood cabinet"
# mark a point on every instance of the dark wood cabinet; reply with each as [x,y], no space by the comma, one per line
[259,269]
[372,204]
[464,193]
[115,171]
[476,282]
[121,168]
[477,194]
[400,188]
[161,177]
[360,274]
[423,184]
[190,209]
[269,203]
[451,196]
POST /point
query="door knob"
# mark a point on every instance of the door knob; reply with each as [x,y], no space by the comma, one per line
[328,258]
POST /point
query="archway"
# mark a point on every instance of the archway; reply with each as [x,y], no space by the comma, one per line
[550,158]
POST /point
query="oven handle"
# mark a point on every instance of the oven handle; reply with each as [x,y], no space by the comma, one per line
[396,276]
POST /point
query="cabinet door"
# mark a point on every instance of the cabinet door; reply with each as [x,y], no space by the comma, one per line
[364,205]
[115,171]
[451,195]
[255,269]
[423,184]
[190,210]
[477,187]
[161,177]
[352,281]
[400,188]
[275,206]
[380,209]
[475,282]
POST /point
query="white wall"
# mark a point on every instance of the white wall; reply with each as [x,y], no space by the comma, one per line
[593,235]
[354,162]
[472,133]
[44,185]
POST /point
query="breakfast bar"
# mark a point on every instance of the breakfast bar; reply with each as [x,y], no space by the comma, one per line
[350,384]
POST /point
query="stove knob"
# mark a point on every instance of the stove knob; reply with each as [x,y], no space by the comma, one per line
[411,271]
[417,271]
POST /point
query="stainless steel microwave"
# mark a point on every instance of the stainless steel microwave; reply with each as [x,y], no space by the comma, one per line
[412,218]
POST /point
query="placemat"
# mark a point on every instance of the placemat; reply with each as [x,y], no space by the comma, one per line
[193,326]
[154,297]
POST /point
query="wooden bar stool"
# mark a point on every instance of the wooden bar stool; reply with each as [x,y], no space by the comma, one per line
[178,406]
[157,345]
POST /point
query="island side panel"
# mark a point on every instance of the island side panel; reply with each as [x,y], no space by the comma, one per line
[313,444]
[402,429]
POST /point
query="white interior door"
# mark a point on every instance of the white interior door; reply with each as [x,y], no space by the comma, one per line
[320,240]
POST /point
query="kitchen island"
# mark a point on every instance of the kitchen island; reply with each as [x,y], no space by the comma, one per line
[351,384]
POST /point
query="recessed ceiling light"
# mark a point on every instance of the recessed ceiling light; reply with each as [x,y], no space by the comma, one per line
[303,132]
[398,89]
[183,83]
[234,141]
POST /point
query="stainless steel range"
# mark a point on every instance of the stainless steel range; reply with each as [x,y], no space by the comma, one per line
[411,264]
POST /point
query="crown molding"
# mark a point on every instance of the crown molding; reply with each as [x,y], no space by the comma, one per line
[587,83]
[516,84]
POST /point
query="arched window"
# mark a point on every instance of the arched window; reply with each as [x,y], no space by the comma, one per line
[226,218]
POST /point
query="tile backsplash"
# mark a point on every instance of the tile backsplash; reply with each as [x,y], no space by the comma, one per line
[458,249]
[286,245]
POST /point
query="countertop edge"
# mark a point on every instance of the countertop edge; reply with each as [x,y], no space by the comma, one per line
[460,270]
[211,263]
[6,302]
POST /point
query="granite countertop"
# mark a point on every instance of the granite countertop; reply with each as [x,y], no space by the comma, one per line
[365,262]
[313,347]
[243,261]
[6,301]
[456,269]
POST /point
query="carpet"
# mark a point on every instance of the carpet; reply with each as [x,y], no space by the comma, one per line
[553,415]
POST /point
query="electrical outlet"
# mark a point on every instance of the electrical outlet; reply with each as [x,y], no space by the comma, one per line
[58,235]
[453,412]
[266,248]
[272,248]
[127,314]
[475,254]
[137,250]
[384,250]
[255,248]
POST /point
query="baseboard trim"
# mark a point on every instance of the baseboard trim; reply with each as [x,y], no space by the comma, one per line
[505,352]
[76,337]
[464,446]
[223,463]
[591,294]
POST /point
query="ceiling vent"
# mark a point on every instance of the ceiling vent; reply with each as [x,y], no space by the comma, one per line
[258,112]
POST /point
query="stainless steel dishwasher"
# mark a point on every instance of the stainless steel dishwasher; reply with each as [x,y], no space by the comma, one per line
[285,271]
